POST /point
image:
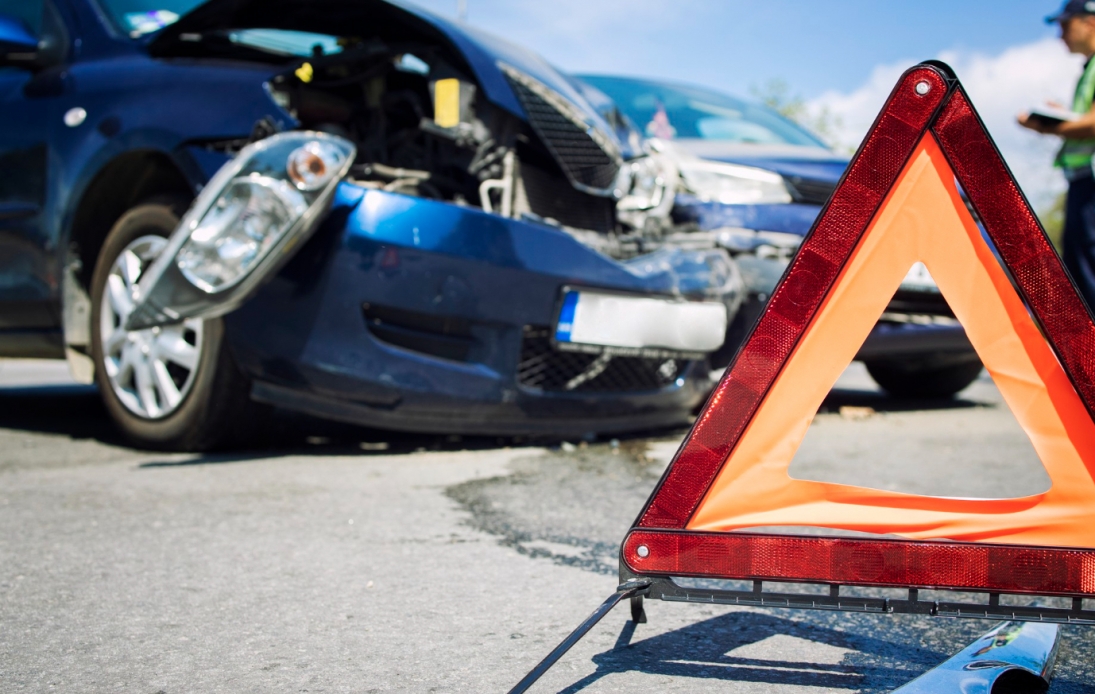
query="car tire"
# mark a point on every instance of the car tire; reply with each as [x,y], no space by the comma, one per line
[923,380]
[168,388]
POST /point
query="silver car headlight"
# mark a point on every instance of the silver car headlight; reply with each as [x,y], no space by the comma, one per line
[274,188]
[732,184]
[241,227]
[246,220]
[644,183]
[647,188]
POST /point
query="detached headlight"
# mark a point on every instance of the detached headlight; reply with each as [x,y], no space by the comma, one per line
[272,189]
[732,184]
[241,227]
[246,220]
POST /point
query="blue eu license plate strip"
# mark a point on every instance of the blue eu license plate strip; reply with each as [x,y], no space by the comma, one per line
[594,322]
[565,326]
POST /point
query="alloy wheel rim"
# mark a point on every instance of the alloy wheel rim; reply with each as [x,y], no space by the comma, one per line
[150,371]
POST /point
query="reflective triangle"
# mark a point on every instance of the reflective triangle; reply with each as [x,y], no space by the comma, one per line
[923,220]
[897,205]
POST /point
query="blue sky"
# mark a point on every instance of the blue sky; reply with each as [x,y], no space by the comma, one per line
[842,56]
[731,44]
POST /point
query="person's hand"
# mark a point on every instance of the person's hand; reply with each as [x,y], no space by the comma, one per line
[1037,124]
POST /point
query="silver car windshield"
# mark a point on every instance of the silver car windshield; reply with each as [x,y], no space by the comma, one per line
[671,111]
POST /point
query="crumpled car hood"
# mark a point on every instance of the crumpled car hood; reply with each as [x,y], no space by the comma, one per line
[482,51]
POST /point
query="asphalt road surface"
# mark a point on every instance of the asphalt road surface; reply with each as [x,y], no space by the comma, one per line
[335,559]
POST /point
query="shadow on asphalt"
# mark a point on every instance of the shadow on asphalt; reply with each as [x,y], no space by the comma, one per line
[76,412]
[704,650]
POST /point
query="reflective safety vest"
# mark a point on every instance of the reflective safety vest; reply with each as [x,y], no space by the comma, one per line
[1077,154]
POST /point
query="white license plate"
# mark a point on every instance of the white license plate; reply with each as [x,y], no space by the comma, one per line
[640,323]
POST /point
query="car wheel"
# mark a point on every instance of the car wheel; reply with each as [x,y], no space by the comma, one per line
[171,387]
[923,380]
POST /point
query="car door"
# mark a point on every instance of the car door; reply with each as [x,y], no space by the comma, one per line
[29,312]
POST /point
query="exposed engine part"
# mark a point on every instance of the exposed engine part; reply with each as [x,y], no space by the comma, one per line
[422,128]
[396,173]
[411,109]
[487,160]
[504,186]
[647,187]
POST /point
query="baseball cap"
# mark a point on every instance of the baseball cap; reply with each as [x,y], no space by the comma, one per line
[1071,8]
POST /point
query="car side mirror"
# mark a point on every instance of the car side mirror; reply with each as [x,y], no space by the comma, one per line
[18,45]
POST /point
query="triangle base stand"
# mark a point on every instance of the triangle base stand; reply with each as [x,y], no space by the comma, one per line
[1015,617]
[631,589]
[829,597]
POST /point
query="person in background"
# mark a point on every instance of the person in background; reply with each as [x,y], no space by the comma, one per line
[1077,22]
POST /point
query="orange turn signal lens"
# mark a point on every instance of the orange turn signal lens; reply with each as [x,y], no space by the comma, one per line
[311,167]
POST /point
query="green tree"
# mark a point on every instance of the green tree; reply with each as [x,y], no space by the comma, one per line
[776,94]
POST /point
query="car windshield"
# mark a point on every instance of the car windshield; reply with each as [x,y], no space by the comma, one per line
[140,17]
[285,42]
[670,111]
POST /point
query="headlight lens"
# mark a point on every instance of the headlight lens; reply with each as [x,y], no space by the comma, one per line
[732,184]
[643,183]
[242,227]
[245,221]
[275,186]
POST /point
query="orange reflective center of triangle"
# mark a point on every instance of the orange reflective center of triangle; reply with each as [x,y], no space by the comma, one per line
[923,219]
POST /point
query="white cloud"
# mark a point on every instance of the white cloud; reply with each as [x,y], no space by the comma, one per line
[1000,86]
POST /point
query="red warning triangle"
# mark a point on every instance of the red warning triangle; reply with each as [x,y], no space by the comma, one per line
[898,204]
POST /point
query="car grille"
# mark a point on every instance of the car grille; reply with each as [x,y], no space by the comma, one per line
[588,158]
[810,191]
[545,368]
[549,196]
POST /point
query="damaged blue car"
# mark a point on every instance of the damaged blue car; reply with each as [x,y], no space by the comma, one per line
[349,208]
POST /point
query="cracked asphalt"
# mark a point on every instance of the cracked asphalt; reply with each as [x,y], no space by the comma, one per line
[336,559]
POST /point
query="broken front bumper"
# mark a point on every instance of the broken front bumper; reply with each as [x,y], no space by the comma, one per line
[413,314]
